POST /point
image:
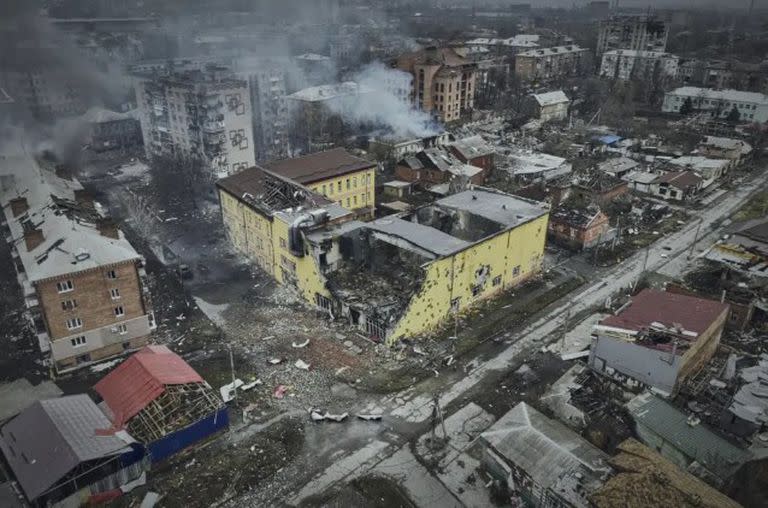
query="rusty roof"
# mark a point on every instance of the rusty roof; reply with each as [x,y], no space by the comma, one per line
[319,166]
[654,306]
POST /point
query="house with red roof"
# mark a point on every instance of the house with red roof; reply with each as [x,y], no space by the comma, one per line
[658,339]
[161,401]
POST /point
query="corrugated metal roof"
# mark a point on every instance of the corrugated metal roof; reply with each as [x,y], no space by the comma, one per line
[51,437]
[696,442]
[141,379]
[319,166]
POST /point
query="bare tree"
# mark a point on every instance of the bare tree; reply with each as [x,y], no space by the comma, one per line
[178,178]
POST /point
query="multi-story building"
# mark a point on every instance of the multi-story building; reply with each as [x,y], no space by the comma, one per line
[83,282]
[400,276]
[639,33]
[551,106]
[444,82]
[752,106]
[268,84]
[110,130]
[552,63]
[201,114]
[629,64]
[334,174]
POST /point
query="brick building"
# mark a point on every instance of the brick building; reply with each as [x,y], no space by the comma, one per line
[444,82]
[578,228]
[82,280]
[473,151]
[434,166]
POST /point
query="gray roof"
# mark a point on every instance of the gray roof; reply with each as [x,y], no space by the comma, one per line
[51,437]
[504,209]
[697,442]
[424,237]
[552,454]
[473,146]
[18,395]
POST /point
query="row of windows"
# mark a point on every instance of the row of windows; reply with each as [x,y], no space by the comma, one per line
[66,286]
[351,183]
[114,293]
[75,322]
[81,340]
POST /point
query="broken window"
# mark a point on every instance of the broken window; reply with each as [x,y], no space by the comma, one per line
[477,289]
[74,323]
[111,274]
[77,341]
[69,304]
[455,303]
[119,311]
[516,271]
[64,286]
[323,302]
[114,293]
[283,243]
[497,280]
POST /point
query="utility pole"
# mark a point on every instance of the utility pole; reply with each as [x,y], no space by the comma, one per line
[695,239]
[437,414]
[232,368]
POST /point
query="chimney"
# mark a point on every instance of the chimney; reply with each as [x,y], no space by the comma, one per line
[32,238]
[107,227]
[83,198]
[19,206]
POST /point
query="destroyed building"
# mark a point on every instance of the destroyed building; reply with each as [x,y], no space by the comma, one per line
[632,32]
[473,151]
[554,63]
[645,478]
[399,276]
[60,455]
[551,106]
[435,166]
[658,339]
[579,227]
[542,461]
[161,401]
[84,284]
[745,249]
[685,441]
[747,413]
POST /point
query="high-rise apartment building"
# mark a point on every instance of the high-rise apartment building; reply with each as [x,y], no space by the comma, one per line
[204,114]
[639,33]
[444,82]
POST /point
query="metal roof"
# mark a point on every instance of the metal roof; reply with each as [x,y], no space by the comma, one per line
[501,208]
[319,166]
[51,437]
[424,237]
[20,394]
[697,442]
[548,451]
[141,379]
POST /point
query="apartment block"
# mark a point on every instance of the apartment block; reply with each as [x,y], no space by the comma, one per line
[268,85]
[444,82]
[203,114]
[752,106]
[628,64]
[635,32]
[547,64]
[83,282]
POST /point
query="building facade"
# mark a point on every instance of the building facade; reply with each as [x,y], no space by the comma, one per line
[268,86]
[639,33]
[83,282]
[551,106]
[752,106]
[578,228]
[200,114]
[628,65]
[547,64]
[444,82]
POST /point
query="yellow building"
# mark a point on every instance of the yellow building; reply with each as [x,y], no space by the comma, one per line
[399,276]
[347,180]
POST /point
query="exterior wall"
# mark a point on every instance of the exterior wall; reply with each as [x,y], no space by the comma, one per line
[553,112]
[532,67]
[352,190]
[579,238]
[249,231]
[640,66]
[704,348]
[665,448]
[175,442]
[447,92]
[427,176]
[670,192]
[96,309]
[631,32]
[649,366]
[115,134]
[514,255]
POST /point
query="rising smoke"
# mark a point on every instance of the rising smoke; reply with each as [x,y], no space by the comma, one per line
[384,107]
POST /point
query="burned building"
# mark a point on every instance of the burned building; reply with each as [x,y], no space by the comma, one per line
[161,401]
[658,339]
[399,276]
[435,166]
[632,32]
[579,227]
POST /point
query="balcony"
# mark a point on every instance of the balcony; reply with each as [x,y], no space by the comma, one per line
[211,127]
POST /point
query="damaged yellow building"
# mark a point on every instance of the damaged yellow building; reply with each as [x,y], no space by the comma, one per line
[399,276]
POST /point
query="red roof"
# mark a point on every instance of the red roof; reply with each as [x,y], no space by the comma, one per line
[141,379]
[650,305]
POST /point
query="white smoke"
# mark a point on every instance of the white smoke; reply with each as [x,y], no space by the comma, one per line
[387,105]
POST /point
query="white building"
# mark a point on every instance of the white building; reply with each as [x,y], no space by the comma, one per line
[709,169]
[535,166]
[552,106]
[752,106]
[202,114]
[628,64]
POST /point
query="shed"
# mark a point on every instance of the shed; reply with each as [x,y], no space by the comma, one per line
[162,401]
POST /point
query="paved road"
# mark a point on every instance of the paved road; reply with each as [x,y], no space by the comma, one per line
[668,255]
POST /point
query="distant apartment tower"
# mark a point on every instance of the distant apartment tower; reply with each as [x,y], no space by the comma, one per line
[443,83]
[629,64]
[204,114]
[83,283]
[546,64]
[640,33]
[268,85]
